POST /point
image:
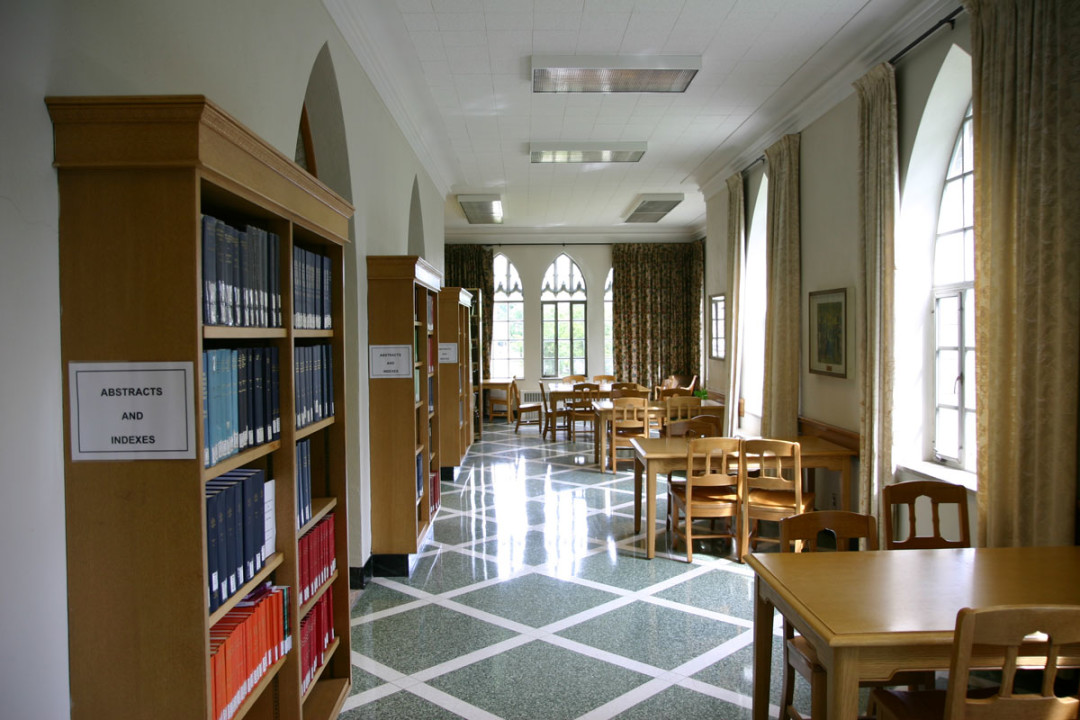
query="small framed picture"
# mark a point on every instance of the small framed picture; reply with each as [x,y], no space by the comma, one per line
[828,332]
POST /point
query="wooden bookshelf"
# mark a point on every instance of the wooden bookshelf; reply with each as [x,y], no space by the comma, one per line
[476,355]
[455,379]
[403,390]
[135,176]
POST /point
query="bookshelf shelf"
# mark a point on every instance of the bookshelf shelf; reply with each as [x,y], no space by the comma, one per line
[403,293]
[455,378]
[147,187]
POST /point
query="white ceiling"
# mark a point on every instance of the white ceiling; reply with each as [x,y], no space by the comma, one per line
[455,74]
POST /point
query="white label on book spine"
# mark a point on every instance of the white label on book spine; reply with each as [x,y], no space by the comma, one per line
[390,361]
[448,352]
[132,411]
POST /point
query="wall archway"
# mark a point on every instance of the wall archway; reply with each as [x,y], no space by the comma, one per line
[322,102]
[417,243]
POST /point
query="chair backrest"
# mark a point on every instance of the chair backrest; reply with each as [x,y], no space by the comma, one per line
[631,391]
[583,395]
[939,493]
[669,382]
[603,378]
[694,427]
[666,393]
[708,461]
[628,413]
[571,379]
[681,407]
[1004,628]
[514,397]
[771,458]
[845,526]
[715,420]
[544,398]
[624,386]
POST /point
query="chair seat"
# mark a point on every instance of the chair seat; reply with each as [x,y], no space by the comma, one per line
[727,493]
[779,499]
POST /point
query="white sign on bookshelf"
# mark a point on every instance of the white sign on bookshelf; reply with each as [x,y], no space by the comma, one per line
[447,352]
[390,361]
[132,411]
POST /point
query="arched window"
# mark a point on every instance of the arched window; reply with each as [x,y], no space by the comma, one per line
[609,336]
[562,310]
[507,322]
[954,309]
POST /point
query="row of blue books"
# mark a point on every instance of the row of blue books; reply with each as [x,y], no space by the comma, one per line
[312,290]
[237,528]
[241,406]
[241,275]
[314,383]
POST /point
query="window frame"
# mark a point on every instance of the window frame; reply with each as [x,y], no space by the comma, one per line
[717,327]
[508,297]
[560,298]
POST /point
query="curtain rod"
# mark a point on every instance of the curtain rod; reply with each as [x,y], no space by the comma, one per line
[949,20]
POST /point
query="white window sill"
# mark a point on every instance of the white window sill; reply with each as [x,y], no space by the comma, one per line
[936,471]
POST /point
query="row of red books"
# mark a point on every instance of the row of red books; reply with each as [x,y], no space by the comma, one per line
[317,559]
[316,634]
[245,643]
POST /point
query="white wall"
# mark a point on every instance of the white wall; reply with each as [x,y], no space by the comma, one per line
[251,57]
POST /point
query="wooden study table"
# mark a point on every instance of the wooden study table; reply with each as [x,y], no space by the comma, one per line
[604,411]
[494,384]
[652,456]
[870,614]
[560,392]
[817,452]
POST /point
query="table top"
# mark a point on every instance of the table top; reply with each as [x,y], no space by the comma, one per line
[605,405]
[660,448]
[911,597]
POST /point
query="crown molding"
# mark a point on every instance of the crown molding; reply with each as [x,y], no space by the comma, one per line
[830,93]
[500,235]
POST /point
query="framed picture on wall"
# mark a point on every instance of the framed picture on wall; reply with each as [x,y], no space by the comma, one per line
[717,339]
[828,332]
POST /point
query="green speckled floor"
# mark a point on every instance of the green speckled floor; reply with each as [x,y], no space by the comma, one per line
[533,599]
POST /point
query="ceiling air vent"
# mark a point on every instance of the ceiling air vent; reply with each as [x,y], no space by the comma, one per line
[482,209]
[587,152]
[651,208]
[613,73]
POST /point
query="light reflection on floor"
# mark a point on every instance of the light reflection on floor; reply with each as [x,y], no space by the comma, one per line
[534,599]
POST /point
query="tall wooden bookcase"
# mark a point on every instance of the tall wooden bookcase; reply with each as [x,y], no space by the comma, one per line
[476,354]
[135,177]
[455,378]
[403,391]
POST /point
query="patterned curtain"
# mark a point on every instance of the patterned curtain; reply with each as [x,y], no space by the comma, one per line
[780,409]
[736,266]
[656,309]
[878,185]
[1025,71]
[473,266]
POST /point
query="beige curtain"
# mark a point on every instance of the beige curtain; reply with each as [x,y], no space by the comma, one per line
[780,409]
[1026,70]
[656,301]
[736,234]
[473,266]
[878,192]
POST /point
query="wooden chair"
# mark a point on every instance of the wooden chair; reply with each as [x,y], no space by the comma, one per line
[715,420]
[665,393]
[631,391]
[552,414]
[498,406]
[624,386]
[571,379]
[1002,629]
[692,428]
[580,407]
[764,492]
[603,378]
[939,493]
[520,409]
[627,422]
[679,407]
[710,491]
[799,655]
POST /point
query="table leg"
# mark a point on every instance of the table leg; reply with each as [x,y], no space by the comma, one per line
[843,682]
[650,510]
[763,625]
[638,468]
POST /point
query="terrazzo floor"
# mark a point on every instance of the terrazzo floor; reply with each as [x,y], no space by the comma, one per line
[533,599]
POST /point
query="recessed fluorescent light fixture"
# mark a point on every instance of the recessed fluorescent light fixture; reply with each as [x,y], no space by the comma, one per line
[613,73]
[588,152]
[651,208]
[482,209]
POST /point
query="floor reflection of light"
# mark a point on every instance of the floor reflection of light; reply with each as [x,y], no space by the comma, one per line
[566,532]
[510,506]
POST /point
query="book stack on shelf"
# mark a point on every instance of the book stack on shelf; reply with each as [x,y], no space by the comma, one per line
[201,615]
